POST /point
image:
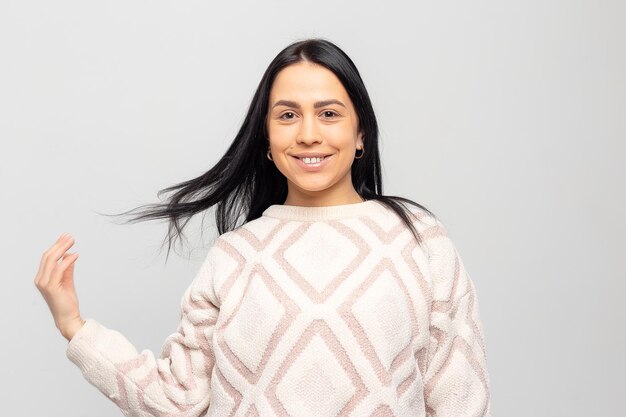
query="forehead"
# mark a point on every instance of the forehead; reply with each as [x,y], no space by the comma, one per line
[306,81]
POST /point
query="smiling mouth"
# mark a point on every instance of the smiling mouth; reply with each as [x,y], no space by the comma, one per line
[312,159]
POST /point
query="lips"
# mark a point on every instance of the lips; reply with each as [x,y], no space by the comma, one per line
[316,166]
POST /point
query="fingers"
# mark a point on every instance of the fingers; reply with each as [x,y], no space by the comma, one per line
[57,272]
[49,259]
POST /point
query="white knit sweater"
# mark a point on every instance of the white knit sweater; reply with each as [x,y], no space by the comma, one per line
[310,311]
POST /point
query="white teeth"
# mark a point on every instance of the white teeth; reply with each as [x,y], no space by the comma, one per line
[312,160]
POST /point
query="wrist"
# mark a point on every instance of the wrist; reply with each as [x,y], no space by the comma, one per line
[69,329]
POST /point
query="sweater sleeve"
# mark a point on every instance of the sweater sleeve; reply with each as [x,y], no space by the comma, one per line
[140,384]
[456,380]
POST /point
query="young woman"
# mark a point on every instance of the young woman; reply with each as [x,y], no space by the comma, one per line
[331,299]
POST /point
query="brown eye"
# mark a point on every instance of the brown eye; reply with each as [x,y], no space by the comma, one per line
[286,113]
[329,114]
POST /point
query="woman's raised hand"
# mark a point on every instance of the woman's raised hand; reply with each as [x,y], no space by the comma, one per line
[55,281]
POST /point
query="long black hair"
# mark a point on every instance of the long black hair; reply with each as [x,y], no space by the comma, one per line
[243,183]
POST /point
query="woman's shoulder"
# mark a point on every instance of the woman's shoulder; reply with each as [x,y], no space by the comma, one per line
[245,237]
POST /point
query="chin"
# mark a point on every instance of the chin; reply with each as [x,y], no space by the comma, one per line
[312,186]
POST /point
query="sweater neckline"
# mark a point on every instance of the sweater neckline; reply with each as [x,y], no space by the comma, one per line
[308,213]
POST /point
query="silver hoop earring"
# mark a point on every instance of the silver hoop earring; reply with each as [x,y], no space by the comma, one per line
[361,155]
[268,155]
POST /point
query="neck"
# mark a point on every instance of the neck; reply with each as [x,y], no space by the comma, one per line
[298,197]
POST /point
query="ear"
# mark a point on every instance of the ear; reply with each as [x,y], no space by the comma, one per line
[359,140]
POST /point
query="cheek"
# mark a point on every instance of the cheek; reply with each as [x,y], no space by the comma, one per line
[339,135]
[281,136]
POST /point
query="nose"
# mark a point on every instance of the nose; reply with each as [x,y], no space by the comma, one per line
[308,131]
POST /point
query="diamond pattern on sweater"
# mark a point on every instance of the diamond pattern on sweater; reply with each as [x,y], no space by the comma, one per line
[319,257]
[294,317]
[318,352]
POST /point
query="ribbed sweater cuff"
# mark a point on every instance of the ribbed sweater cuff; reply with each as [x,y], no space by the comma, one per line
[81,348]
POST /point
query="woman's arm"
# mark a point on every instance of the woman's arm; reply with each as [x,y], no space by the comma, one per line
[456,381]
[177,382]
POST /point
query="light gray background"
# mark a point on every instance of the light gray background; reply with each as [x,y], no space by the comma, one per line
[507,119]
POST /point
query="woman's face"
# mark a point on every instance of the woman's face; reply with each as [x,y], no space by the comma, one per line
[310,112]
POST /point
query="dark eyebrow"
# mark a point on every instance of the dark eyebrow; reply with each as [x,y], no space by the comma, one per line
[316,105]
